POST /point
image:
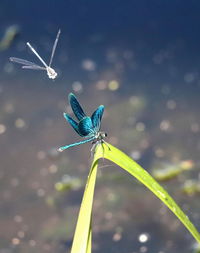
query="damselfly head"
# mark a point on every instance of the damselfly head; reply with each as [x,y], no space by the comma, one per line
[51,73]
[100,136]
[103,134]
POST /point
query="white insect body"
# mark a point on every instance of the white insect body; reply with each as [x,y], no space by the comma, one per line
[30,65]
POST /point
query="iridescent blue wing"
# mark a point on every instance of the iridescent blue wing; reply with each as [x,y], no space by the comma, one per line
[76,108]
[96,118]
[72,122]
[85,127]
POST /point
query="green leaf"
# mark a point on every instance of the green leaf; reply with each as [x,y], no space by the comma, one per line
[89,243]
[115,155]
[82,242]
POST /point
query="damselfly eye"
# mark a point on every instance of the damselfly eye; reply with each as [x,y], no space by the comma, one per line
[105,134]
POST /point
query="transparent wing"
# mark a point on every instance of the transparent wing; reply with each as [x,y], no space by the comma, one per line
[34,67]
[72,122]
[96,117]
[27,64]
[54,47]
[36,53]
[21,61]
[76,108]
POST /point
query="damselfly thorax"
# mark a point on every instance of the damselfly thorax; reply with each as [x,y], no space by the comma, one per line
[99,137]
[51,73]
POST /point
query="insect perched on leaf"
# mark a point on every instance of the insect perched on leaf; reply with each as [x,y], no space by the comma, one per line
[87,127]
[30,65]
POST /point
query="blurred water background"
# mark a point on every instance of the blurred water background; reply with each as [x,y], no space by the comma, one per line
[141,60]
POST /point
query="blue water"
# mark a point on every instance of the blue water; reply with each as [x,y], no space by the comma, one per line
[151,48]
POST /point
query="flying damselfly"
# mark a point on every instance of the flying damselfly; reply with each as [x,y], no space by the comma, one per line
[30,65]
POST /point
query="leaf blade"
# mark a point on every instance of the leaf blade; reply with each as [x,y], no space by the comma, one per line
[83,233]
[121,159]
